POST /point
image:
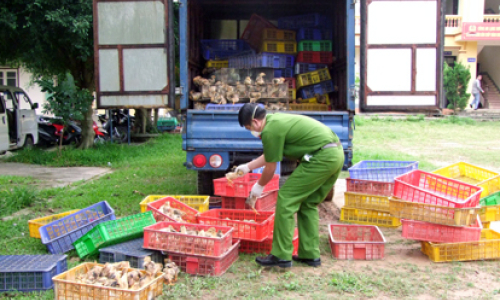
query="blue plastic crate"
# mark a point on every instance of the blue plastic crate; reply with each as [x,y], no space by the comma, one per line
[60,235]
[314,34]
[301,68]
[286,73]
[321,88]
[262,60]
[28,273]
[130,251]
[237,106]
[381,170]
[305,21]
[218,49]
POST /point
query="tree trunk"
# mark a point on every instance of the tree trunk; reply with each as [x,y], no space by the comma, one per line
[149,122]
[144,120]
[155,122]
[87,129]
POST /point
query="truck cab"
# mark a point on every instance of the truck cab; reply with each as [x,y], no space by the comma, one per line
[18,124]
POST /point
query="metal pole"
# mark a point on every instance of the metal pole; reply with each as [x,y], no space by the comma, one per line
[111,125]
[128,126]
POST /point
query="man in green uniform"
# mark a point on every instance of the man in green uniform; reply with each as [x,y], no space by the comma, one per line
[321,159]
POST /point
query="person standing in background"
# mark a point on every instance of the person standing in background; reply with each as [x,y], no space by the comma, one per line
[476,89]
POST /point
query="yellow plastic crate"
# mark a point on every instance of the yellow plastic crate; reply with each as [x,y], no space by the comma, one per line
[433,213]
[490,213]
[309,107]
[35,224]
[292,94]
[200,203]
[368,217]
[486,225]
[490,186]
[66,288]
[313,77]
[467,173]
[218,64]
[279,47]
[314,100]
[487,248]
[273,34]
[365,201]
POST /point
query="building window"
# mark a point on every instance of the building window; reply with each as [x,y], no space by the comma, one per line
[8,78]
[450,60]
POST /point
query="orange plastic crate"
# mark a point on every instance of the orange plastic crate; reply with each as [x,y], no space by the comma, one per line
[266,202]
[206,265]
[189,217]
[267,245]
[180,243]
[359,242]
[246,223]
[371,187]
[436,233]
[242,186]
[424,187]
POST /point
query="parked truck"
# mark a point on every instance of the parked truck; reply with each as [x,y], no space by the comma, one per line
[400,65]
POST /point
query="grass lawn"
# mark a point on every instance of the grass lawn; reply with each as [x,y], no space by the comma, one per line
[156,168]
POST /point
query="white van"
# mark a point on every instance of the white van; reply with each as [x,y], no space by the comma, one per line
[18,124]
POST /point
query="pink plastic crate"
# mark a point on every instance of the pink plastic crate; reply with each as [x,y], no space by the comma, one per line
[291,83]
[206,265]
[359,242]
[435,233]
[266,246]
[242,186]
[424,187]
[257,227]
[156,239]
[189,217]
[264,203]
[371,187]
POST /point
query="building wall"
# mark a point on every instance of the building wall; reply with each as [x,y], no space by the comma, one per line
[32,89]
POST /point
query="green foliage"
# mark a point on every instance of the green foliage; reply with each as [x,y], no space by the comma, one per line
[417,118]
[16,198]
[65,99]
[455,82]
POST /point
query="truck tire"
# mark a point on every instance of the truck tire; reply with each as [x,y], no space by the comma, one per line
[205,182]
[283,180]
[28,142]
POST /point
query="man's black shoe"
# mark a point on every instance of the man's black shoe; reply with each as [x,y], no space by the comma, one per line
[271,261]
[311,262]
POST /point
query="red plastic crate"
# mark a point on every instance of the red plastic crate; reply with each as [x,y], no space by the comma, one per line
[254,30]
[315,57]
[156,239]
[436,233]
[266,202]
[266,246]
[371,187]
[205,265]
[242,186]
[291,83]
[189,217]
[360,242]
[258,230]
[424,187]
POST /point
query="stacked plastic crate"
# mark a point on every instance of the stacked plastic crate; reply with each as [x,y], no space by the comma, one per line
[369,187]
[440,212]
[314,47]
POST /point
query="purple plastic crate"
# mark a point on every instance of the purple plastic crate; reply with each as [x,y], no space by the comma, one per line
[301,68]
[28,273]
[236,106]
[286,73]
[381,170]
[60,235]
[305,21]
[262,60]
[314,34]
[321,88]
[218,49]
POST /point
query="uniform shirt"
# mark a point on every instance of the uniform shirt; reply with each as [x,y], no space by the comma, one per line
[293,136]
[476,87]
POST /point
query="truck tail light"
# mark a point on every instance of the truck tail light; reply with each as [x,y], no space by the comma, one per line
[199,160]
[215,161]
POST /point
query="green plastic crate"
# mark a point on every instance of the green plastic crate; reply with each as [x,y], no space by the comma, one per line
[113,232]
[314,46]
[493,199]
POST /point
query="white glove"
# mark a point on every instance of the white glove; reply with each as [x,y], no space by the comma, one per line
[256,191]
[242,170]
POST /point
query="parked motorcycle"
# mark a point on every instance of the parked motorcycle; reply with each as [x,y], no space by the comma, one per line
[50,130]
[120,124]
[99,137]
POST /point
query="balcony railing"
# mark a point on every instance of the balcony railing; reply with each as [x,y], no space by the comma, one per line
[453,21]
[491,19]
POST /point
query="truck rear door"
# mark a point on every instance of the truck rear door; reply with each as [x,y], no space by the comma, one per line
[27,117]
[4,127]
[132,53]
[401,55]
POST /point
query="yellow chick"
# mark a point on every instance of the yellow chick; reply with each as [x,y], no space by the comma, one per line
[195,96]
[211,81]
[278,81]
[248,81]
[259,80]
